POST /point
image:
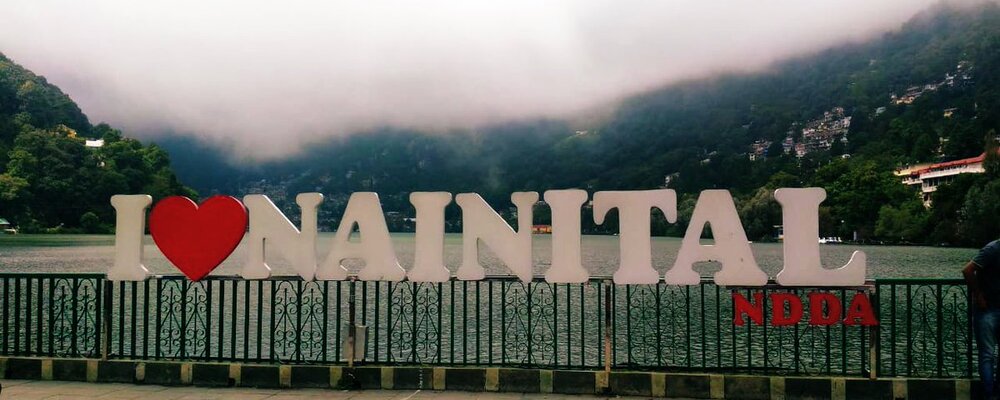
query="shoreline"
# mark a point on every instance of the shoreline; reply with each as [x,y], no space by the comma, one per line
[109,237]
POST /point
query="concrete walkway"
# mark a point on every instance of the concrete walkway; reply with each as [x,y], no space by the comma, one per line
[31,390]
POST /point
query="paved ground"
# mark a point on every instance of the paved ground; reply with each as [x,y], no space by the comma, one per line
[31,390]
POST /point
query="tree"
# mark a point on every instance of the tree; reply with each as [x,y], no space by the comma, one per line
[857,190]
[906,223]
[980,214]
[90,223]
[11,188]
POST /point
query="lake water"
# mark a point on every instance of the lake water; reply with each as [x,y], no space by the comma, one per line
[496,330]
[94,253]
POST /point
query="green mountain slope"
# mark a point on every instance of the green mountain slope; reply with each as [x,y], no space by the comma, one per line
[697,135]
[49,179]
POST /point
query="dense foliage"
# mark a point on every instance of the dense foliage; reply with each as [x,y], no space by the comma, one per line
[697,135]
[49,180]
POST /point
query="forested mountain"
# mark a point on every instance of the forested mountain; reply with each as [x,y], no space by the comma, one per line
[50,180]
[927,92]
[843,119]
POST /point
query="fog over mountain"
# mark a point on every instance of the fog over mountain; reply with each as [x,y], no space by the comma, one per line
[263,79]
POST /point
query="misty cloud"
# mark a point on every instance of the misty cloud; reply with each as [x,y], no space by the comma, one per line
[264,78]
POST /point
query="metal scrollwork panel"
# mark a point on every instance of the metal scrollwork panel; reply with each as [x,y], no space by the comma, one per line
[642,334]
[813,352]
[541,324]
[922,330]
[298,313]
[513,319]
[957,344]
[925,330]
[181,328]
[677,322]
[527,323]
[415,322]
[73,308]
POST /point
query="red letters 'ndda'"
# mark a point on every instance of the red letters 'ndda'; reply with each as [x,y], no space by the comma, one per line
[787,309]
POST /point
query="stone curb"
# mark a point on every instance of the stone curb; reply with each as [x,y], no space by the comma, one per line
[477,379]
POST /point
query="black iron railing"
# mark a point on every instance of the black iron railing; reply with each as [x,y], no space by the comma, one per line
[51,315]
[926,328]
[924,331]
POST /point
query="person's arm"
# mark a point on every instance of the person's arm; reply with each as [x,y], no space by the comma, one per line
[972,281]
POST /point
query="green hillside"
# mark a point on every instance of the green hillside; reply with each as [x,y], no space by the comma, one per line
[701,131]
[699,134]
[49,180]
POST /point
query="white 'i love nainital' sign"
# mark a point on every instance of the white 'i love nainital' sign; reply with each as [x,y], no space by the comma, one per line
[222,223]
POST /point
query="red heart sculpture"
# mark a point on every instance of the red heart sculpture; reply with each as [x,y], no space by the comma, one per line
[196,238]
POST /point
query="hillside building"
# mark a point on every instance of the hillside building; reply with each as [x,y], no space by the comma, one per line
[759,148]
[930,176]
[541,229]
[6,227]
[819,134]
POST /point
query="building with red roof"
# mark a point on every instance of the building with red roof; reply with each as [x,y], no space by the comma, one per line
[930,176]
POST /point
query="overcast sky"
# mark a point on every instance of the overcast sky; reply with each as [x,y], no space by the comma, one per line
[263,78]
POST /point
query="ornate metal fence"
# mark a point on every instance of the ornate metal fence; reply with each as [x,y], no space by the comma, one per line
[925,328]
[51,315]
[924,332]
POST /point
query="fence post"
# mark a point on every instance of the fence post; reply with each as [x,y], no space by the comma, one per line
[607,328]
[105,321]
[350,328]
[873,334]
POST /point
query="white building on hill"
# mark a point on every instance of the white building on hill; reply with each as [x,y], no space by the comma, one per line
[929,176]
